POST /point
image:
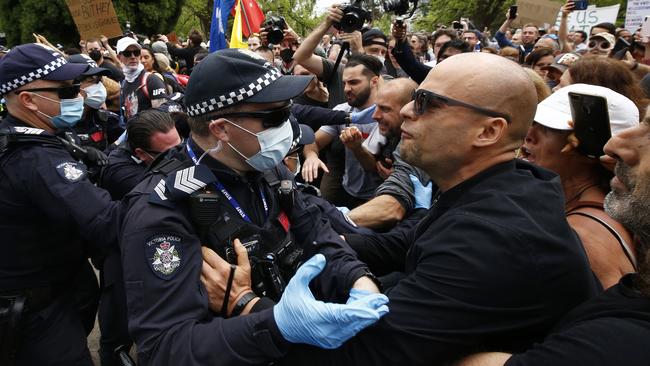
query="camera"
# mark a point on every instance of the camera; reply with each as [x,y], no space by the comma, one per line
[400,7]
[275,27]
[353,18]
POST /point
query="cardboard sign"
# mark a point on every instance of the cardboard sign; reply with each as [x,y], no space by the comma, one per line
[585,19]
[636,13]
[94,18]
[537,12]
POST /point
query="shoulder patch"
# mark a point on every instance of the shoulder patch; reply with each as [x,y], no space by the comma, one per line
[27,130]
[164,254]
[71,171]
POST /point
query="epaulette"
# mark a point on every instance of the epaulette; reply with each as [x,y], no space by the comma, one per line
[25,135]
[181,184]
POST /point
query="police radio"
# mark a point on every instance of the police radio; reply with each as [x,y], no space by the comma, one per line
[273,260]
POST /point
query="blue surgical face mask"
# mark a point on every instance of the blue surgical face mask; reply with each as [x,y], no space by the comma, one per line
[274,145]
[71,111]
[95,95]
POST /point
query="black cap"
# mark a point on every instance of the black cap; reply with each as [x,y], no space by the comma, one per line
[231,76]
[370,35]
[34,61]
[302,135]
[93,69]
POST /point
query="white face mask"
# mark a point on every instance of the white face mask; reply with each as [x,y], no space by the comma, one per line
[95,95]
[380,58]
[274,143]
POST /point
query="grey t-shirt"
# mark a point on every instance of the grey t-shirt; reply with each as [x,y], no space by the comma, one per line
[357,182]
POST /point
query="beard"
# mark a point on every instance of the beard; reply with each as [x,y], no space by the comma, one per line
[632,209]
[361,99]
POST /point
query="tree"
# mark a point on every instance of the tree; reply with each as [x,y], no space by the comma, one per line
[20,18]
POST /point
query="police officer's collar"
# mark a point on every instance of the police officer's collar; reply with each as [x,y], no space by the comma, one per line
[11,122]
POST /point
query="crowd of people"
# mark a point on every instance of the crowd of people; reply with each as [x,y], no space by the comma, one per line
[346,198]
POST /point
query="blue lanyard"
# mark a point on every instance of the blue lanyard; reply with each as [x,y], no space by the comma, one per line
[220,187]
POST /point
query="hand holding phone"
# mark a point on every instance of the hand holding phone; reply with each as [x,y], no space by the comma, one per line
[512,13]
[590,123]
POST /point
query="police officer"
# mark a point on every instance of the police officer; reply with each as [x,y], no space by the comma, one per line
[98,127]
[221,192]
[51,216]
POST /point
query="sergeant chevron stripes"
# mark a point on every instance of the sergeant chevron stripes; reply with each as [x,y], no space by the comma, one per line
[186,182]
[160,190]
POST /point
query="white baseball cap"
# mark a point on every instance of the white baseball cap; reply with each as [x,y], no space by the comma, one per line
[125,42]
[555,111]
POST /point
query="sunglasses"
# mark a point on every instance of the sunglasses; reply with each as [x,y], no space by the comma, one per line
[135,53]
[424,99]
[270,118]
[63,92]
[602,44]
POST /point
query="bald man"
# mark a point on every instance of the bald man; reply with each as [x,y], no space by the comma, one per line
[494,264]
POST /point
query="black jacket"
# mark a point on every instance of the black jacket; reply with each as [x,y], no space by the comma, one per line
[493,266]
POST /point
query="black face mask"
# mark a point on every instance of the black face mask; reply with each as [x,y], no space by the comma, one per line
[96,55]
[286,55]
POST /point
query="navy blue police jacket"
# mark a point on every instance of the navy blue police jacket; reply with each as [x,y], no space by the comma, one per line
[168,311]
[51,216]
[493,266]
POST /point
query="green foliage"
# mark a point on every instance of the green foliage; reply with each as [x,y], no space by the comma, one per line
[51,18]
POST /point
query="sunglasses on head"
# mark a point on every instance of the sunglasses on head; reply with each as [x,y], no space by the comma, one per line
[63,92]
[602,44]
[270,118]
[135,53]
[424,99]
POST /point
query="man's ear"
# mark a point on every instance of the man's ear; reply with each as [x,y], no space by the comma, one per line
[27,100]
[217,129]
[140,154]
[493,130]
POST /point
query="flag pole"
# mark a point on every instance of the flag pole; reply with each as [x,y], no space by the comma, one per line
[243,9]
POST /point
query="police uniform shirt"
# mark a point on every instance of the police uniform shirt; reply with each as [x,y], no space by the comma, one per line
[51,215]
[167,304]
[134,97]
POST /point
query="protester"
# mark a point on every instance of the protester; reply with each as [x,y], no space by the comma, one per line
[141,90]
[529,35]
[613,328]
[194,46]
[95,48]
[449,289]
[361,77]
[585,182]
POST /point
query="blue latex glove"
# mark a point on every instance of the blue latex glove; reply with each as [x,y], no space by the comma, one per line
[344,210]
[422,193]
[363,117]
[303,319]
[357,294]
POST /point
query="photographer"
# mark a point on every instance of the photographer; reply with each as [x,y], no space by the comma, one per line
[529,36]
[404,54]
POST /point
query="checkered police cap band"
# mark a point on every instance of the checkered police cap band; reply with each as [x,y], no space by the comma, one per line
[233,97]
[33,75]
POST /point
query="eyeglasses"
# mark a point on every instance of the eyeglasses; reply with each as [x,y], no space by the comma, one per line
[424,99]
[63,92]
[270,118]
[135,53]
[605,45]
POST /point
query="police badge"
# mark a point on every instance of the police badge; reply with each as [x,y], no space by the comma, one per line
[72,172]
[164,255]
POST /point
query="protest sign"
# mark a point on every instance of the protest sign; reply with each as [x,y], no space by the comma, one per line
[585,19]
[94,18]
[636,12]
[537,12]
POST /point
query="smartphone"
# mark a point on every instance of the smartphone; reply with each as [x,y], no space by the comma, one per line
[590,123]
[581,4]
[513,12]
[620,48]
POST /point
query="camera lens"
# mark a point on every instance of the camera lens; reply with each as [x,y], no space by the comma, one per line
[350,22]
[275,36]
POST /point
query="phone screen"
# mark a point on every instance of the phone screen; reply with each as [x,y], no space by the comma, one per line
[590,123]
[513,12]
[581,5]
